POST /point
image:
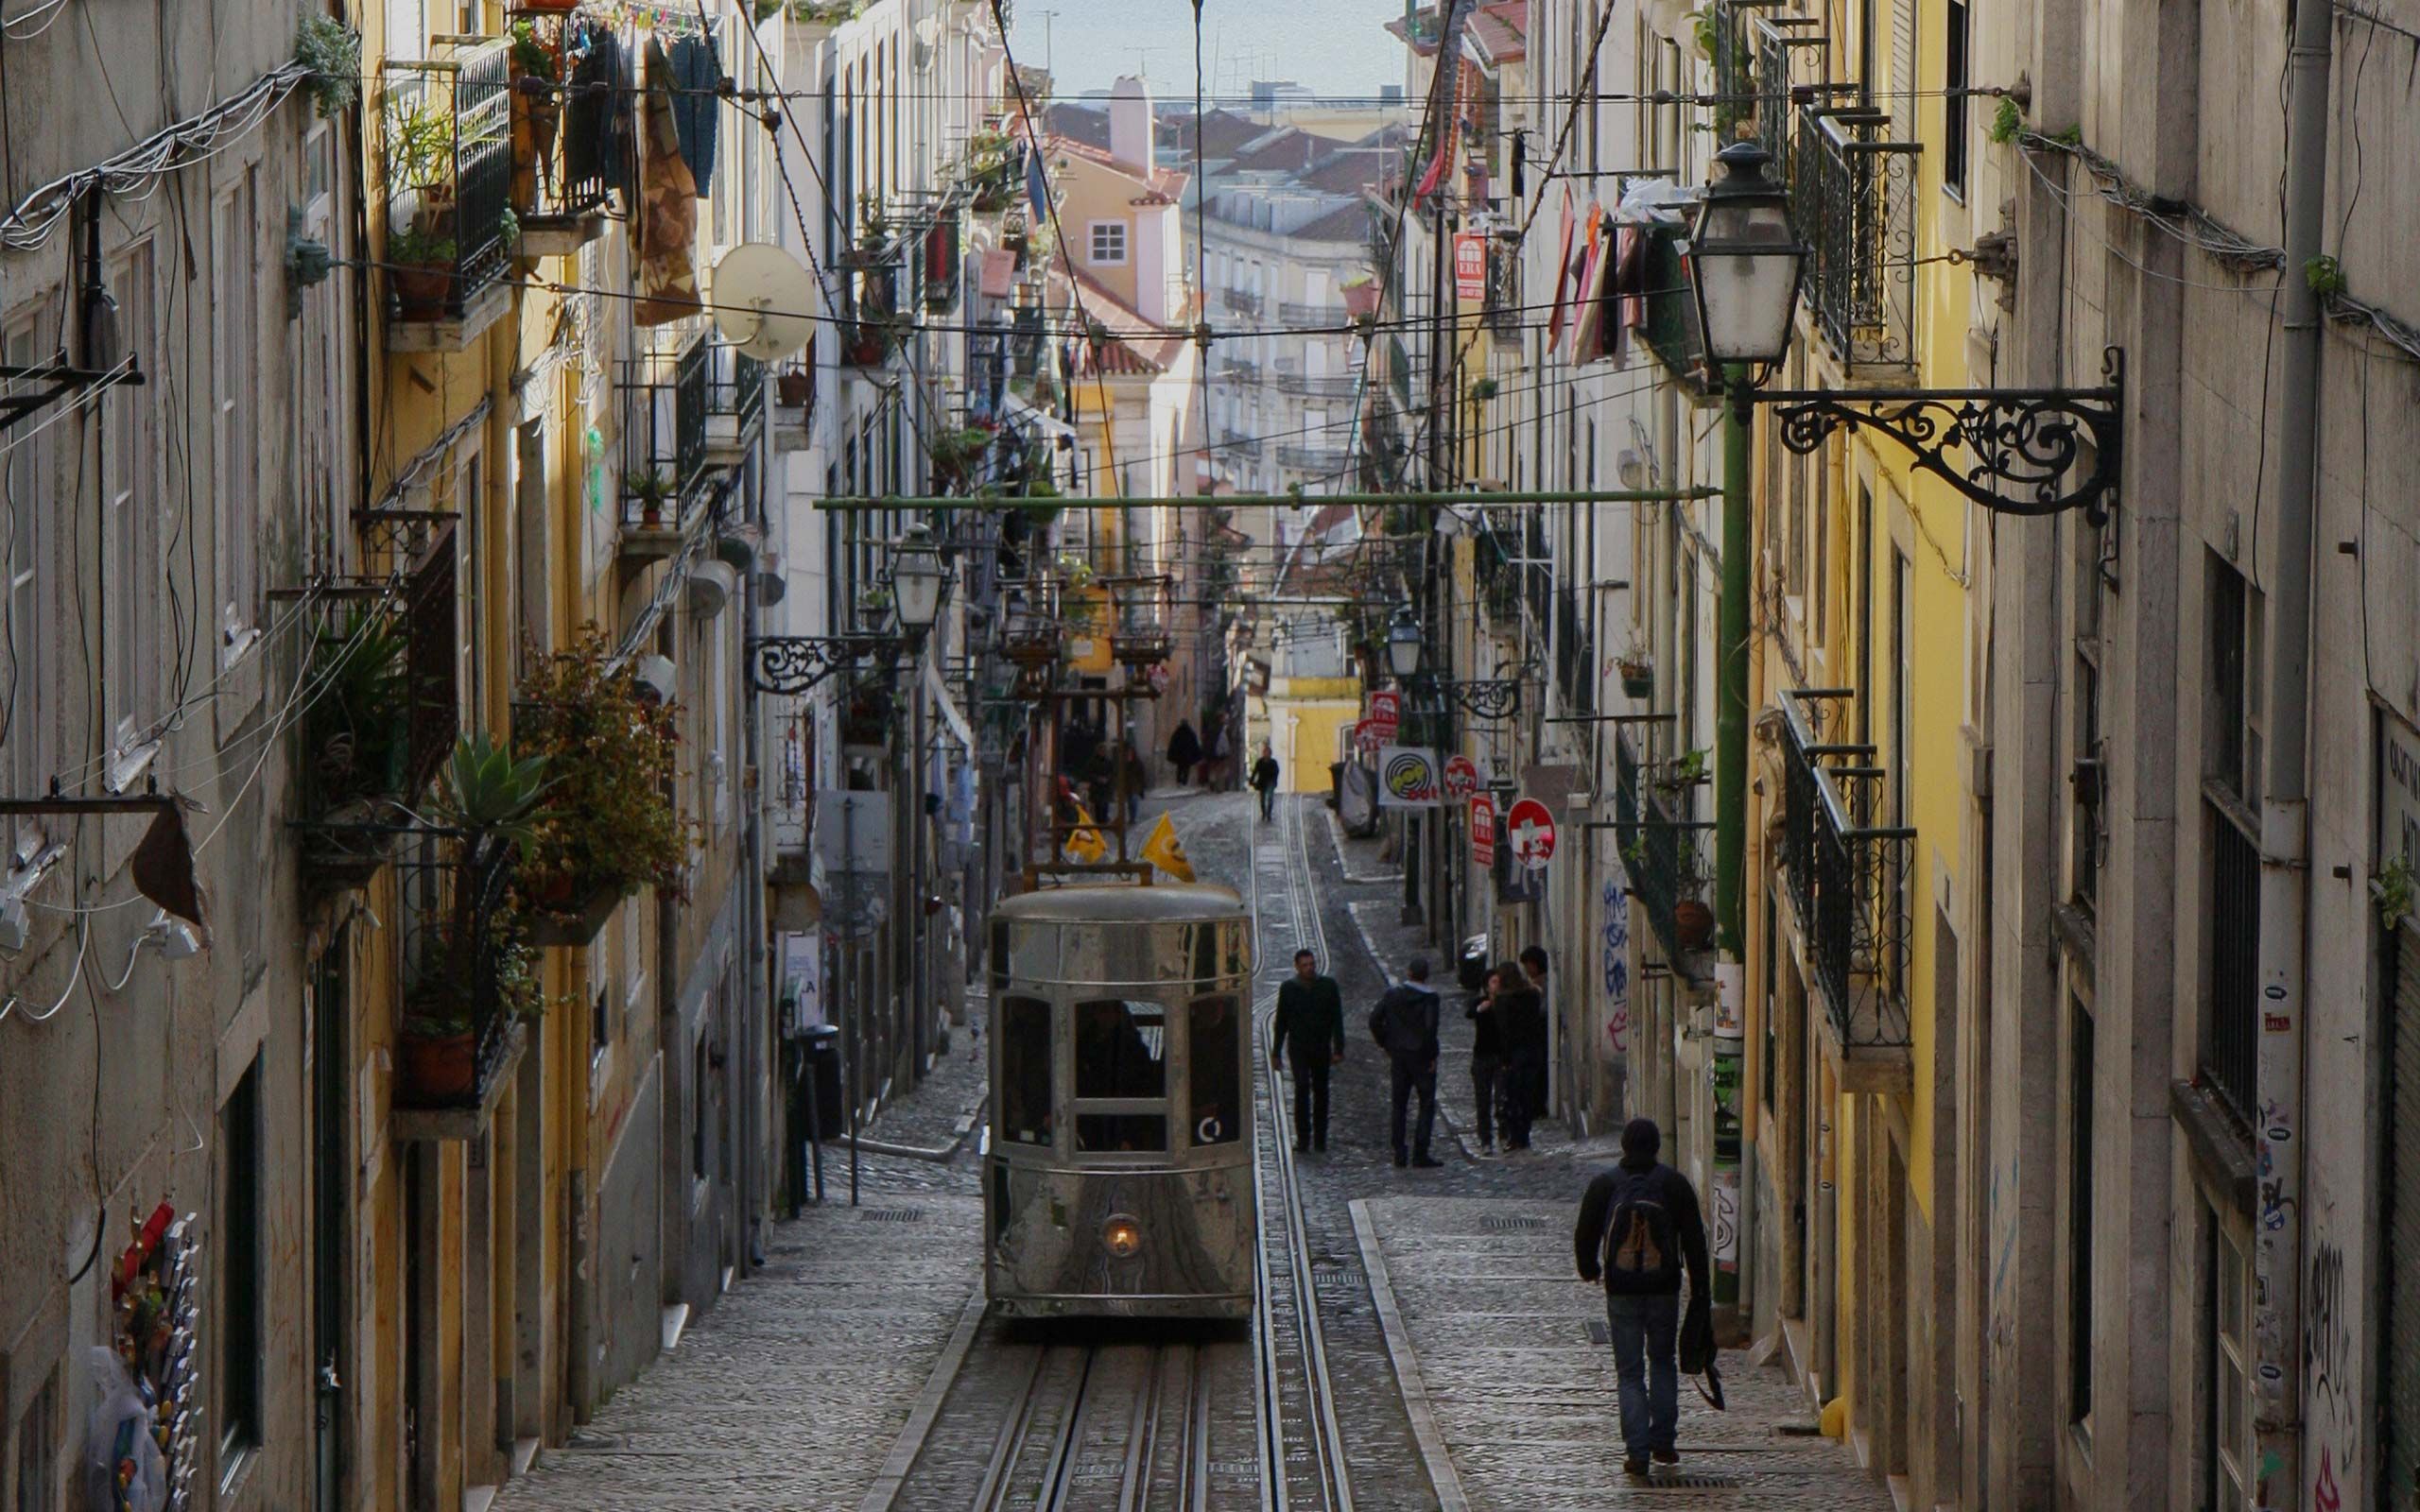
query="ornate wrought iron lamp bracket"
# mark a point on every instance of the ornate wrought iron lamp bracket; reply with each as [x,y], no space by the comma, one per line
[1486,698]
[790,665]
[2027,440]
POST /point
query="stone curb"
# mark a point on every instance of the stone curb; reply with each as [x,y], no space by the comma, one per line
[1442,1478]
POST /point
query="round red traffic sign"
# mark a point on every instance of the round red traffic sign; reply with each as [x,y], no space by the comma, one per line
[1530,827]
[1462,776]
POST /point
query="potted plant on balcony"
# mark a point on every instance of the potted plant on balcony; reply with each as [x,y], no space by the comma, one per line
[650,488]
[488,805]
[419,158]
[1637,671]
[608,826]
[1692,920]
[1686,770]
[332,51]
[537,110]
[956,453]
[421,268]
[358,731]
[793,386]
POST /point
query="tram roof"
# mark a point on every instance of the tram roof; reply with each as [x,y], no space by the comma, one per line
[1123,905]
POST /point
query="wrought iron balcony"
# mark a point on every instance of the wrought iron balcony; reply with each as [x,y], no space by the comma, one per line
[1664,854]
[562,137]
[1299,316]
[1848,881]
[663,438]
[1321,459]
[1501,312]
[447,124]
[1327,386]
[1240,444]
[1853,192]
[735,402]
[1243,301]
[468,976]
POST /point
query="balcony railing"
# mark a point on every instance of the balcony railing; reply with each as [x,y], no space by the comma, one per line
[664,435]
[1243,301]
[1239,443]
[462,949]
[1501,312]
[1852,191]
[1664,854]
[1327,386]
[1296,315]
[1324,459]
[2235,963]
[561,140]
[448,126]
[1848,881]
[734,396]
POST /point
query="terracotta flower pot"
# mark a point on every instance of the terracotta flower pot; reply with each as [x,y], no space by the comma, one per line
[793,388]
[1694,922]
[421,292]
[440,1068]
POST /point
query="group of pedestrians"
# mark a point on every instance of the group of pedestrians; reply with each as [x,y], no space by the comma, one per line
[1509,1051]
[1640,1232]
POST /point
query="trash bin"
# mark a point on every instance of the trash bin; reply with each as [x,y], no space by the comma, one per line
[1473,970]
[1336,786]
[827,1114]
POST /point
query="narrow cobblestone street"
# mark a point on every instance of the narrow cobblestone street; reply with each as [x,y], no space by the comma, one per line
[1470,1364]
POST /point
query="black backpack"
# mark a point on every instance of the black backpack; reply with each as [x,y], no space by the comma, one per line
[1642,1253]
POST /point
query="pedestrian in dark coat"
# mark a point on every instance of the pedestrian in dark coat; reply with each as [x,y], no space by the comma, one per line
[1310,1014]
[1184,750]
[1640,1228]
[1405,1025]
[1534,967]
[1487,1059]
[1521,1020]
[1137,780]
[1264,780]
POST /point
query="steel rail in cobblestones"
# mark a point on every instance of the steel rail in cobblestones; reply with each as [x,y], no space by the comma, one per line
[1066,1445]
[1325,1439]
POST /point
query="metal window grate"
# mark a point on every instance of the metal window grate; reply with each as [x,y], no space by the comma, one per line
[2235,964]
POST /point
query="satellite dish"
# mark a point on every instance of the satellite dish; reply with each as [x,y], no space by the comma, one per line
[763,300]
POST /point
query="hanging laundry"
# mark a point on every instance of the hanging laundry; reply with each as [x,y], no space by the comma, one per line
[696,108]
[663,233]
[1587,332]
[1561,273]
[600,135]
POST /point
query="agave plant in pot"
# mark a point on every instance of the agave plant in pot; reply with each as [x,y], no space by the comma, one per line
[608,826]
[460,979]
[357,734]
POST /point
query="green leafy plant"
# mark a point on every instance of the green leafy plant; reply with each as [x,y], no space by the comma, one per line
[534,57]
[2394,890]
[1483,390]
[490,793]
[607,821]
[420,144]
[2324,275]
[332,51]
[508,227]
[2071,137]
[419,246]
[358,729]
[648,487]
[2005,122]
[826,12]
[1685,769]
[956,452]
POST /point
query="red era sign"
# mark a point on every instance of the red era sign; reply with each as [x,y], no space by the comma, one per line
[1470,266]
[1386,716]
[1530,827]
[1483,831]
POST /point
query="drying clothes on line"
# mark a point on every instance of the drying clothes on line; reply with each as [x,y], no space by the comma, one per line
[697,110]
[600,132]
[665,231]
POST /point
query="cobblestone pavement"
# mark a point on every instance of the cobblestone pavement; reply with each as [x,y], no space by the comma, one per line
[1508,1348]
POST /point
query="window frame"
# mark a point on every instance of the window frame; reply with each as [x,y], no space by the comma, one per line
[129,493]
[235,419]
[1119,232]
[29,583]
[1958,59]
[241,1217]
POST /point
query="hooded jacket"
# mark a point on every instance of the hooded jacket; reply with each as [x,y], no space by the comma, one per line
[1665,1185]
[1405,1022]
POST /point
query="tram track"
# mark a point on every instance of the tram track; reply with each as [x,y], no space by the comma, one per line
[1104,1428]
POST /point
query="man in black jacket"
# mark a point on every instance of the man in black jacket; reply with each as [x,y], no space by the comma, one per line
[1264,780]
[1310,1012]
[1639,1227]
[1405,1025]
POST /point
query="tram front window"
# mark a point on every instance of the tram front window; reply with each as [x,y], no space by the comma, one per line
[1121,1054]
[1024,1070]
[1213,1031]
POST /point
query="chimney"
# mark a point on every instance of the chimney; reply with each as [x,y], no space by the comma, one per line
[1133,136]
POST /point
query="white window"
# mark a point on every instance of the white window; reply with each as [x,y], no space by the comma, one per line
[29,638]
[236,420]
[1109,242]
[131,512]
[319,429]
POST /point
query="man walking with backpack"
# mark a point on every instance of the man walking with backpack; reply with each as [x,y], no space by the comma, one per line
[1639,1227]
[1405,1025]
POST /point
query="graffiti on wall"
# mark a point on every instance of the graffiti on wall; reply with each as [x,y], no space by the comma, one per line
[1615,935]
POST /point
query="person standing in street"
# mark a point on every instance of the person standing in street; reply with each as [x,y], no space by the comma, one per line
[1521,1023]
[1533,969]
[1405,1025]
[1310,1015]
[1264,779]
[1185,749]
[1487,1059]
[1640,1228]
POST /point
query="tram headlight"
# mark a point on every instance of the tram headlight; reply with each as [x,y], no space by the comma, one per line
[1121,1236]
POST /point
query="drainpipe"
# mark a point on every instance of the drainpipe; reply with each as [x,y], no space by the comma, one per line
[1731,702]
[2285,820]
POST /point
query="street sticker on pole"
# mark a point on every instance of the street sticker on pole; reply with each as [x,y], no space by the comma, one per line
[1482,831]
[1462,776]
[1530,828]
[1407,777]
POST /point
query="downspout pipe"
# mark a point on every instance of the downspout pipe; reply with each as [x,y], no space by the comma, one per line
[2285,817]
[1731,704]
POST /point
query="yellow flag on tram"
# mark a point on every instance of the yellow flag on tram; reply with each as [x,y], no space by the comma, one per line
[1162,849]
[1086,844]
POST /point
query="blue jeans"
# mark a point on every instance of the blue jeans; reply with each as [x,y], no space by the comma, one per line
[1646,1358]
